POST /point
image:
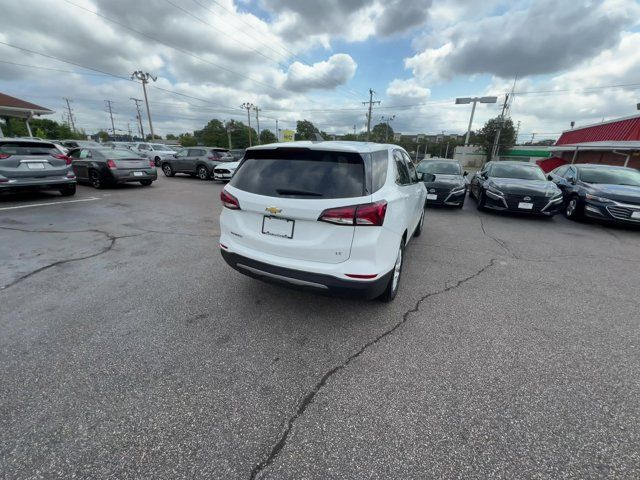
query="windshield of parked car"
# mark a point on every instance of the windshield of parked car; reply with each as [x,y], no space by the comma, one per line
[522,172]
[442,168]
[301,173]
[159,146]
[28,148]
[611,176]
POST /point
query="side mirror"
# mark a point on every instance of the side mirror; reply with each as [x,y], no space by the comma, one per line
[550,177]
[465,173]
[427,177]
[571,180]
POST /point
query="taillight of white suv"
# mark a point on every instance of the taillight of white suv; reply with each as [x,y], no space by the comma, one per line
[367,214]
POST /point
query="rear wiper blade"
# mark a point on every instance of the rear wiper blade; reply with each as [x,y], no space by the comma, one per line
[287,191]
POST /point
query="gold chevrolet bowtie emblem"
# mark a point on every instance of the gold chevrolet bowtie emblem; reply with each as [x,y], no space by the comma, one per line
[273,210]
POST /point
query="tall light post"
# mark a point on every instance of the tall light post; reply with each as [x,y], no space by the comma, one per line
[144,77]
[474,101]
[248,106]
[387,120]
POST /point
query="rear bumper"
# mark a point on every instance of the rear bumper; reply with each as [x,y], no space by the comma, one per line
[222,176]
[126,176]
[42,183]
[298,279]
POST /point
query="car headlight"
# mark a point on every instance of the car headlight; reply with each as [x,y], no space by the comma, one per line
[458,189]
[595,198]
[495,191]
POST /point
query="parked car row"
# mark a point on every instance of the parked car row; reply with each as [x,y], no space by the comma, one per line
[602,192]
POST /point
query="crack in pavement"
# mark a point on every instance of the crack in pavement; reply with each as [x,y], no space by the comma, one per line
[112,241]
[499,241]
[308,398]
[206,235]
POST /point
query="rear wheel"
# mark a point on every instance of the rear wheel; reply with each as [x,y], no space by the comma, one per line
[68,190]
[202,172]
[574,209]
[96,179]
[394,282]
[167,170]
[418,231]
[146,183]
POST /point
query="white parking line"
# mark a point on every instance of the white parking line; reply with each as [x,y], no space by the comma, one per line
[49,203]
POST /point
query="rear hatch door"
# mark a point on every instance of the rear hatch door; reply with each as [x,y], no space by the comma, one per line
[282,193]
[22,160]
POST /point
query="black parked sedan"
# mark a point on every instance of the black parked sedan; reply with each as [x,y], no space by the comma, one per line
[515,187]
[599,191]
[445,183]
[102,167]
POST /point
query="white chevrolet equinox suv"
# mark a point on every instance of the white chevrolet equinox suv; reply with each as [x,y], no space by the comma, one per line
[327,216]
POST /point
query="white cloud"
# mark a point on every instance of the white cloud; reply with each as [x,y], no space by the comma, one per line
[335,71]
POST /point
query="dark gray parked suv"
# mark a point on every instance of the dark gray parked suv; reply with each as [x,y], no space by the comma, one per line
[102,167]
[196,161]
[28,164]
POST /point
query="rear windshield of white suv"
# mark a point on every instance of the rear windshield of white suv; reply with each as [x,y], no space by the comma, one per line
[301,173]
[27,148]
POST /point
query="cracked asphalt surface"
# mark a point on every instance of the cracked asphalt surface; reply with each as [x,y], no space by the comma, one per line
[128,349]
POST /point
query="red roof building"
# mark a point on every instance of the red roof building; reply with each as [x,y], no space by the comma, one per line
[614,142]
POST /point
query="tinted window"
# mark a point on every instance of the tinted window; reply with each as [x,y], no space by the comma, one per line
[523,172]
[571,173]
[28,148]
[411,167]
[379,164]
[159,146]
[402,173]
[118,153]
[442,168]
[613,176]
[560,171]
[301,173]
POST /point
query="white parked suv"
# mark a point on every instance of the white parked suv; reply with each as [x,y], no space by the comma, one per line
[329,216]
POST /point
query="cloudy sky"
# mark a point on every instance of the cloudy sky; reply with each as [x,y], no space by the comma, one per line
[316,60]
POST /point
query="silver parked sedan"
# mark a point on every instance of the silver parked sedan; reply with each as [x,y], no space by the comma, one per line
[28,164]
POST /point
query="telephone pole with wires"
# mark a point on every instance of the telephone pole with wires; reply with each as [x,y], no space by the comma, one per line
[257,109]
[248,106]
[370,103]
[496,140]
[138,101]
[72,123]
[110,111]
[144,77]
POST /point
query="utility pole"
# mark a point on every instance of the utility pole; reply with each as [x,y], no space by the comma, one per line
[517,131]
[139,115]
[354,132]
[248,106]
[277,131]
[70,116]
[129,130]
[496,140]
[144,78]
[370,102]
[446,153]
[229,127]
[257,109]
[533,135]
[110,110]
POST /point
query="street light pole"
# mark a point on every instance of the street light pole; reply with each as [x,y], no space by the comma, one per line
[248,106]
[144,78]
[474,101]
[387,120]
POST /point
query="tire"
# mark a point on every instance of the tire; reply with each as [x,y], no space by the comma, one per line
[202,172]
[68,190]
[418,231]
[96,179]
[394,282]
[156,161]
[481,200]
[574,210]
[167,170]
[146,183]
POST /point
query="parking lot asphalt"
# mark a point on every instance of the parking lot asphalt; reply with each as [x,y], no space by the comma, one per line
[129,349]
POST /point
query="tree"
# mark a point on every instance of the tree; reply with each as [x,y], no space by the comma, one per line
[47,129]
[487,135]
[267,136]
[103,136]
[187,140]
[170,136]
[213,134]
[305,130]
[155,137]
[379,133]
